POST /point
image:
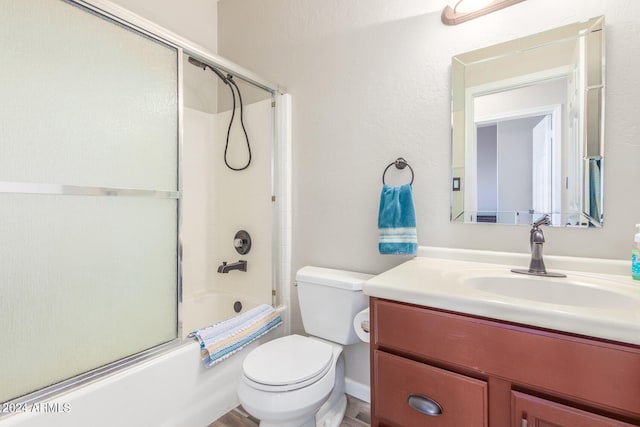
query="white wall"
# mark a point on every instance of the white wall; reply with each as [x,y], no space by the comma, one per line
[241,200]
[196,211]
[217,202]
[370,82]
[195,20]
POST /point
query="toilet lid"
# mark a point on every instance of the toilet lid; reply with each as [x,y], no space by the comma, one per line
[288,361]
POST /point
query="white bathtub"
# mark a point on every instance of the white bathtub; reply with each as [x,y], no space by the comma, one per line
[208,308]
[173,389]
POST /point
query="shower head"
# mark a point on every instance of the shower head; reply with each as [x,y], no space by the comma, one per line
[197,63]
[204,66]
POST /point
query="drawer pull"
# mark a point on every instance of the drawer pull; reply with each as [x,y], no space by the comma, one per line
[424,405]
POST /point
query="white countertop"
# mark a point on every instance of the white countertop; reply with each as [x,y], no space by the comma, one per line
[448,284]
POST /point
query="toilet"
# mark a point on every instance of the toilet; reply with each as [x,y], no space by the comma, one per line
[298,381]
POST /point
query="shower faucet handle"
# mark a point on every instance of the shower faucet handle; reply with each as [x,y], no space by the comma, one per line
[242,242]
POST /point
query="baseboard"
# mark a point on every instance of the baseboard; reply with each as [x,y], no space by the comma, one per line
[357,390]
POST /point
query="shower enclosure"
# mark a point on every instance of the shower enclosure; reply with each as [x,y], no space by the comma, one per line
[116,206]
[223,200]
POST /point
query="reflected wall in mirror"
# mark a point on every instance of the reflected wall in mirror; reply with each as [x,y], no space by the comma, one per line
[528,129]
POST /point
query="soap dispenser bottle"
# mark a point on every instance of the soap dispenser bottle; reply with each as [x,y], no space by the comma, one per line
[635,256]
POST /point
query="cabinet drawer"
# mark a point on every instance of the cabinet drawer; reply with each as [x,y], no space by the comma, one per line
[595,373]
[463,400]
[532,411]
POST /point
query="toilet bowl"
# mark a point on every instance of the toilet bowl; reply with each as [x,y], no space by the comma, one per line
[298,381]
[287,381]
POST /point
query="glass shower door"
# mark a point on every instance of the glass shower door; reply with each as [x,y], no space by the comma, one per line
[89,193]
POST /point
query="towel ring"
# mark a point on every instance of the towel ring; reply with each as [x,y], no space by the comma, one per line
[400,163]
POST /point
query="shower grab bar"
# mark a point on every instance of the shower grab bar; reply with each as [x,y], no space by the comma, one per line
[78,190]
[400,163]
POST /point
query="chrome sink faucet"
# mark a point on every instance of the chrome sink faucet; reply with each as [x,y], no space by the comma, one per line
[536,240]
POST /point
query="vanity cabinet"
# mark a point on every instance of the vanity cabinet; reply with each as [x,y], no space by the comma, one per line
[436,368]
[532,411]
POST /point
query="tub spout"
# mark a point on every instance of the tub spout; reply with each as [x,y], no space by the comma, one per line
[240,265]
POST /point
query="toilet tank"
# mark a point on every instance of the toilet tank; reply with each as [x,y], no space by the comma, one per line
[329,300]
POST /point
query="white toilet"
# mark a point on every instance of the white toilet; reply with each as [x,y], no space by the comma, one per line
[298,381]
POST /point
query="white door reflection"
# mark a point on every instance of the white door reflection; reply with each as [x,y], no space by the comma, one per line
[518,169]
[519,151]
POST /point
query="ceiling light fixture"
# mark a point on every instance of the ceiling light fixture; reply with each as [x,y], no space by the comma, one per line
[458,11]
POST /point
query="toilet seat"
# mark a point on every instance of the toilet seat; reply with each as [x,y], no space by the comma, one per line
[287,363]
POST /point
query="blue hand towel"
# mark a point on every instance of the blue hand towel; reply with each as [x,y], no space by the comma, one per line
[397,221]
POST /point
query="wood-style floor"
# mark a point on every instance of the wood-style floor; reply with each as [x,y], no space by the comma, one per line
[357,415]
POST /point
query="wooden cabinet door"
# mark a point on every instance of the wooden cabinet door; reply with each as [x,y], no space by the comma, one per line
[530,411]
[413,394]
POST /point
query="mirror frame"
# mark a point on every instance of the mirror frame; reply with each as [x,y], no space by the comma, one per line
[590,37]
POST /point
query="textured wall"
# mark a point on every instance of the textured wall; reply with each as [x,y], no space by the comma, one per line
[192,19]
[370,82]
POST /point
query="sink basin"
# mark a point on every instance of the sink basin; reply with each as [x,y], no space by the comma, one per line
[594,303]
[559,291]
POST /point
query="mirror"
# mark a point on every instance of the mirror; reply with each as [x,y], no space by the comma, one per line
[528,126]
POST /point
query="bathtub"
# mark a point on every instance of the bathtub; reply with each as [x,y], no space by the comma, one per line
[208,308]
[172,389]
